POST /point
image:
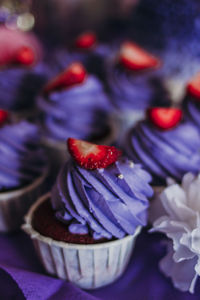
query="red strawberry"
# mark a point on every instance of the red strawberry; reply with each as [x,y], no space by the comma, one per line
[92,156]
[193,86]
[25,56]
[135,58]
[73,75]
[164,118]
[3,116]
[86,40]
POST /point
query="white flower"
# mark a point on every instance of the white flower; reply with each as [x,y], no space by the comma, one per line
[180,221]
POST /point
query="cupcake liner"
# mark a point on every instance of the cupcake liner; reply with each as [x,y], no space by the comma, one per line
[15,204]
[156,207]
[87,266]
[123,121]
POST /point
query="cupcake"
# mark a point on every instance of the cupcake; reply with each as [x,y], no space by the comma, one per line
[165,146]
[21,75]
[12,40]
[73,104]
[23,170]
[134,84]
[191,102]
[86,228]
[85,48]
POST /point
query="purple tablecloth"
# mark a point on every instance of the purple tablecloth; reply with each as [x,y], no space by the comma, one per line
[23,277]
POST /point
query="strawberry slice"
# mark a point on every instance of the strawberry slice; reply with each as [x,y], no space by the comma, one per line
[73,75]
[165,118]
[193,86]
[135,58]
[3,116]
[25,56]
[91,156]
[86,40]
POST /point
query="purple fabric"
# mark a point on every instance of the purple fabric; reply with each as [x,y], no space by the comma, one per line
[22,276]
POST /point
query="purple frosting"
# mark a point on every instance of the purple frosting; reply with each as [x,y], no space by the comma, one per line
[80,111]
[21,158]
[108,202]
[192,108]
[135,90]
[92,59]
[19,87]
[165,153]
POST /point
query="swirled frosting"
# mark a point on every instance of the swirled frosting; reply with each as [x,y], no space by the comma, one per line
[80,111]
[108,202]
[21,158]
[164,154]
[192,108]
[19,87]
[135,90]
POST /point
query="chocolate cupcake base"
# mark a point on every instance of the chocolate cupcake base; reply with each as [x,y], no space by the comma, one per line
[45,222]
[89,266]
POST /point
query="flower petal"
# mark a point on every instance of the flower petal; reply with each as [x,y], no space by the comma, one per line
[195,241]
[180,221]
[175,203]
[182,274]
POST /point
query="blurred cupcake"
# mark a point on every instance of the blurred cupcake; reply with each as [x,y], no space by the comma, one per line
[164,146]
[21,74]
[23,169]
[191,102]
[86,229]
[87,49]
[134,84]
[73,104]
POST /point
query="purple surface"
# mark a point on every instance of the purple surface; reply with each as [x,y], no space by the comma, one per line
[23,277]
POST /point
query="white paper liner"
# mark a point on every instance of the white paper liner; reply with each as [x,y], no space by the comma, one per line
[87,266]
[155,208]
[123,121]
[15,204]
